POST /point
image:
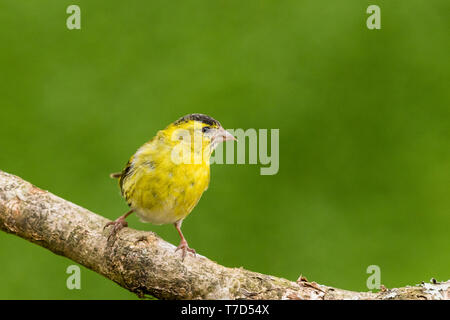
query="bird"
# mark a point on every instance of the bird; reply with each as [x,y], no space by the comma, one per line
[166,177]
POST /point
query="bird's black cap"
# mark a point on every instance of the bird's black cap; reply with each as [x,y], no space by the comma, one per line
[199,117]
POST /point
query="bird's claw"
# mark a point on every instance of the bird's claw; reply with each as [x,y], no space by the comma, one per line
[118,225]
[184,247]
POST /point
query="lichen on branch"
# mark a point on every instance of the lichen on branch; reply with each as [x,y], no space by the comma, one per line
[145,264]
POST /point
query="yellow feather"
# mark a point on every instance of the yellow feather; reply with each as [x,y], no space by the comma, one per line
[159,189]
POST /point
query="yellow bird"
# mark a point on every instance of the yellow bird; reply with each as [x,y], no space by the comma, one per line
[164,180]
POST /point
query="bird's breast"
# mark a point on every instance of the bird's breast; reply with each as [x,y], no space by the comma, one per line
[163,192]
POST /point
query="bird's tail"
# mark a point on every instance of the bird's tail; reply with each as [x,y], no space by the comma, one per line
[116,175]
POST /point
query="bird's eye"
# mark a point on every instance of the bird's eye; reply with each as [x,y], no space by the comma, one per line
[205,129]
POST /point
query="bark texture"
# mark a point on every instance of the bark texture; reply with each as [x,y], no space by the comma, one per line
[145,264]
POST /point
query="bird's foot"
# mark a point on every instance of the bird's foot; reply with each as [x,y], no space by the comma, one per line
[118,225]
[184,247]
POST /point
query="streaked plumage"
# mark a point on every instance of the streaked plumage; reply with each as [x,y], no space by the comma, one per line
[164,180]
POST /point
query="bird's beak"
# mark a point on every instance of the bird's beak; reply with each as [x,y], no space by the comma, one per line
[223,135]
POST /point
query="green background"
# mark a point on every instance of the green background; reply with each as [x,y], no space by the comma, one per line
[363,116]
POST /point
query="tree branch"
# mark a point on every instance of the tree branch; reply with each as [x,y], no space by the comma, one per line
[145,264]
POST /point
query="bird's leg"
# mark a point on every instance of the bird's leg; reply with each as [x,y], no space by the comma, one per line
[183,243]
[118,224]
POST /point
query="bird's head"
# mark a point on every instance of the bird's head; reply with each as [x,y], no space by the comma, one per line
[195,128]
